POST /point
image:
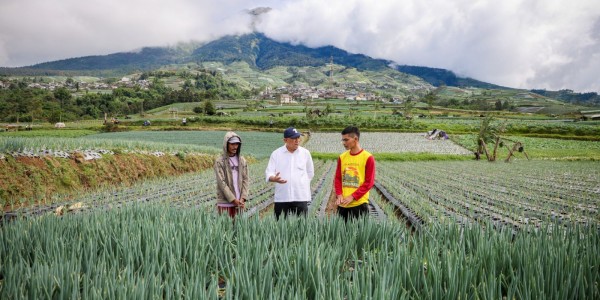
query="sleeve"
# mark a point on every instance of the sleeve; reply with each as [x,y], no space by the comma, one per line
[221,183]
[337,181]
[245,179]
[270,171]
[369,179]
[310,167]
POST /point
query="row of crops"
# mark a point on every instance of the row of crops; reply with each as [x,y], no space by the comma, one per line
[160,251]
[513,195]
[260,144]
[385,142]
[195,191]
[528,229]
[257,144]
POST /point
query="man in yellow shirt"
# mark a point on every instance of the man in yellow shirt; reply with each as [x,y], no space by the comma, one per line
[354,177]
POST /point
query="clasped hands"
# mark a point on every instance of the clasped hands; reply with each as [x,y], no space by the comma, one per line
[241,203]
[340,200]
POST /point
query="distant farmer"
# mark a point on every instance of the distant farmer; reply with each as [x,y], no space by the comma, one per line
[184,121]
[354,176]
[231,171]
[291,168]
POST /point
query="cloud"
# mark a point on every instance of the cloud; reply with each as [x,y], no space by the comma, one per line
[524,44]
[517,43]
[72,28]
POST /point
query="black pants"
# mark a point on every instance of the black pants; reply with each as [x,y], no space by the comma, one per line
[299,208]
[353,212]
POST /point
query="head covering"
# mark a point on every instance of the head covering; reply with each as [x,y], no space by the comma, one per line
[230,138]
[234,140]
[291,133]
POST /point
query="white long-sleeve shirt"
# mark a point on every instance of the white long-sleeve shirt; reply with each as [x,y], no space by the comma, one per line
[295,167]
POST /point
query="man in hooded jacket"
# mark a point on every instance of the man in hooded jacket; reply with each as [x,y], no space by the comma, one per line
[231,170]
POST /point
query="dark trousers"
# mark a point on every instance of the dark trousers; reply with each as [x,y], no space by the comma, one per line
[298,208]
[353,212]
[231,211]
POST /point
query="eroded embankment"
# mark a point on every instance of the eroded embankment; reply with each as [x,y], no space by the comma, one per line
[24,180]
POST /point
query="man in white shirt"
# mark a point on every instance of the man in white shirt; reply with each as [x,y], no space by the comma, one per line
[291,168]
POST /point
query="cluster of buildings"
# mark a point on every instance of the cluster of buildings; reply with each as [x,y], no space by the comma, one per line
[82,85]
[283,94]
[289,94]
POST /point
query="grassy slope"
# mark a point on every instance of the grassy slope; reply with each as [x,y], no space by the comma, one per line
[40,178]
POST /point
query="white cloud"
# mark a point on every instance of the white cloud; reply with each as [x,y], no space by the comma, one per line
[34,31]
[528,44]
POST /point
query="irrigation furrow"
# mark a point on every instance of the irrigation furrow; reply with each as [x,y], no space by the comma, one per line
[376,212]
[414,220]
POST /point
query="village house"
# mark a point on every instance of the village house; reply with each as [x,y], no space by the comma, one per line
[286,99]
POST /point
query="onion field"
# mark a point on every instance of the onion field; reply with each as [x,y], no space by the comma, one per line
[385,142]
[436,230]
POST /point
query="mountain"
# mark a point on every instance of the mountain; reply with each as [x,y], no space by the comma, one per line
[590,98]
[264,53]
[147,58]
[438,77]
[257,50]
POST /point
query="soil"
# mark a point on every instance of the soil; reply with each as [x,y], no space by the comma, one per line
[28,181]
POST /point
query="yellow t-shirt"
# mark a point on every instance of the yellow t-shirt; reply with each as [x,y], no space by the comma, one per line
[353,170]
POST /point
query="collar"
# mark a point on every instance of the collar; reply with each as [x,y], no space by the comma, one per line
[285,150]
[359,152]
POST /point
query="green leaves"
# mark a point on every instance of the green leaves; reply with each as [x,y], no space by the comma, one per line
[158,251]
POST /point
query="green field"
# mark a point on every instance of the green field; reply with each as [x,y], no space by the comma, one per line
[532,224]
[145,252]
[257,144]
[541,148]
[440,224]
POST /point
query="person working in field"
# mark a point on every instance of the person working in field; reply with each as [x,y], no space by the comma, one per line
[231,171]
[354,176]
[291,168]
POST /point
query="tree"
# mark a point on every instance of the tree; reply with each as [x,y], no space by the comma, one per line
[198,109]
[328,109]
[35,108]
[63,95]
[187,84]
[430,99]
[498,105]
[408,108]
[209,108]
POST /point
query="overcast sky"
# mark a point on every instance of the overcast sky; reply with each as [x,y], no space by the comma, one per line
[551,44]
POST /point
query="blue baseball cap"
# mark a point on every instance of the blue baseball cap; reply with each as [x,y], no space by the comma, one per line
[291,133]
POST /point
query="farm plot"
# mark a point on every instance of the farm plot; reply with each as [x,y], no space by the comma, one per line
[513,195]
[159,251]
[257,144]
[62,147]
[166,241]
[195,191]
[385,142]
[542,148]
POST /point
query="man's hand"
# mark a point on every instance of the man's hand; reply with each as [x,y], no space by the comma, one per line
[239,203]
[277,179]
[340,200]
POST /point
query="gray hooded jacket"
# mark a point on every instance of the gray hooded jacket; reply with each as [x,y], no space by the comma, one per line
[225,189]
